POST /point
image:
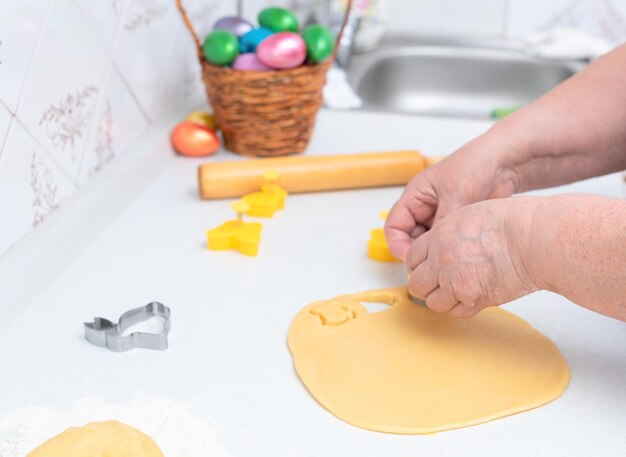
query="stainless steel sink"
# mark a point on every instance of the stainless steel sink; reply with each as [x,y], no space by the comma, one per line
[453,79]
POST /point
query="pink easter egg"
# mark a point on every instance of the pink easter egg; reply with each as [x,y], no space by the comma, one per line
[249,62]
[282,50]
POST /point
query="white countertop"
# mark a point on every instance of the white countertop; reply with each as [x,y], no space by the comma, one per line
[228,360]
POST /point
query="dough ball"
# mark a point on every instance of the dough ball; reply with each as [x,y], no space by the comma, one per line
[99,439]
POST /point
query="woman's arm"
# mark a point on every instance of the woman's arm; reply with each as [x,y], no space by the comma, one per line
[577,248]
[576,131]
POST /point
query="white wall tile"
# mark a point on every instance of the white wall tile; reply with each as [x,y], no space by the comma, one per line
[62,91]
[104,16]
[5,122]
[418,16]
[118,121]
[484,18]
[204,14]
[144,47]
[31,186]
[603,18]
[183,86]
[20,25]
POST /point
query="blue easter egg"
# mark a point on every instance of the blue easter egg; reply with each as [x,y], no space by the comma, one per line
[250,40]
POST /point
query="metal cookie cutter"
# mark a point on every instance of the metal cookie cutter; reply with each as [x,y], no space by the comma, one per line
[104,333]
[417,301]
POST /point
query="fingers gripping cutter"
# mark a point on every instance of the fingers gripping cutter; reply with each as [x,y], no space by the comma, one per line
[104,333]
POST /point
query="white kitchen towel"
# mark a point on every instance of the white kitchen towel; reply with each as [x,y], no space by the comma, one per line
[565,43]
[338,92]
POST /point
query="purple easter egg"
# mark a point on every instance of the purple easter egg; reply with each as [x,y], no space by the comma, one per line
[282,50]
[233,24]
[249,62]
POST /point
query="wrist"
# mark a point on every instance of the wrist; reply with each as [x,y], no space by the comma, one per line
[520,218]
[504,156]
[546,233]
[519,144]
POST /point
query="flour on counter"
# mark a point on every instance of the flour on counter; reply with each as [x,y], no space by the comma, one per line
[177,432]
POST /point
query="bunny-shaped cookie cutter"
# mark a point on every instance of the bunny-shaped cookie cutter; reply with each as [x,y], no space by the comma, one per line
[104,333]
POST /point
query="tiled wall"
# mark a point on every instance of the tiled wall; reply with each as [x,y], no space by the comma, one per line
[508,18]
[80,80]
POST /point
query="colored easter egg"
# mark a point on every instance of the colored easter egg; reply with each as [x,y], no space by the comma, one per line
[203,118]
[319,42]
[282,50]
[249,62]
[249,41]
[194,140]
[235,25]
[220,47]
[278,19]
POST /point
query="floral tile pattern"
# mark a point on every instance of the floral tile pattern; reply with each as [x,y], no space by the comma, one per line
[118,121]
[32,186]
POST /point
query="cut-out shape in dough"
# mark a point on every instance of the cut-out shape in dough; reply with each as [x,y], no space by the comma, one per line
[410,370]
[99,439]
[332,313]
[375,307]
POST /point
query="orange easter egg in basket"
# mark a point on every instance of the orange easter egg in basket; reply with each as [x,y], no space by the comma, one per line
[194,140]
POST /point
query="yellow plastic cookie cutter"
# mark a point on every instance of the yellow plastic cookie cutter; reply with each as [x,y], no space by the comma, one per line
[377,248]
[269,199]
[236,234]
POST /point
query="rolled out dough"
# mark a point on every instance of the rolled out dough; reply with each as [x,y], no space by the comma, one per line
[409,370]
[99,439]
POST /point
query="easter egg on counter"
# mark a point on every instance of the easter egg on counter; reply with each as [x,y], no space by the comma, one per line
[235,25]
[319,42]
[203,118]
[282,50]
[250,40]
[278,19]
[220,47]
[194,140]
[249,62]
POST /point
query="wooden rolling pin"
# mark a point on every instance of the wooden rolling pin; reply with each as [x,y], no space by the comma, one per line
[311,173]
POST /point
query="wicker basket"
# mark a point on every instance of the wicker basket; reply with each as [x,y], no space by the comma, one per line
[268,113]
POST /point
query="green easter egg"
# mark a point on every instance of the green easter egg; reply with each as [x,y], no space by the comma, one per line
[220,47]
[319,42]
[278,19]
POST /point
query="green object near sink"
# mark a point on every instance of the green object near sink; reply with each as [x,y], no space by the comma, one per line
[499,113]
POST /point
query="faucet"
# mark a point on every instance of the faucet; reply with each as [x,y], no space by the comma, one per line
[333,20]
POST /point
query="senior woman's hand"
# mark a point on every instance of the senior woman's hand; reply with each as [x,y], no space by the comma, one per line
[474,257]
[492,252]
[474,173]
